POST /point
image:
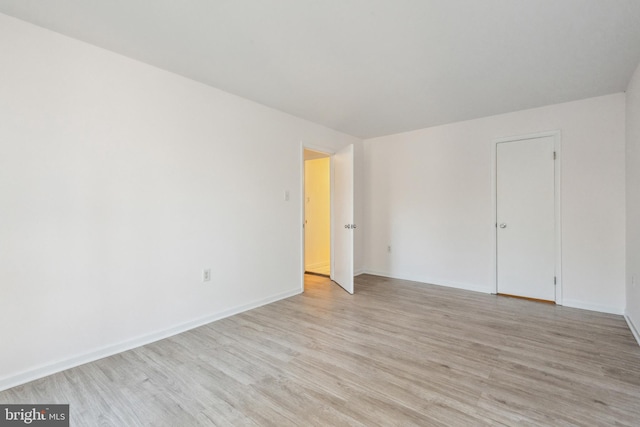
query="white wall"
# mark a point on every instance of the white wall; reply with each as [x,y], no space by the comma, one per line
[428,195]
[119,183]
[633,203]
[359,208]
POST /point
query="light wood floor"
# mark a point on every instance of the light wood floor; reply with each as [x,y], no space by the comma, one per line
[395,353]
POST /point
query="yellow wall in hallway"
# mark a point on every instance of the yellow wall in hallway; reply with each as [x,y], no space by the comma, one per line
[317,191]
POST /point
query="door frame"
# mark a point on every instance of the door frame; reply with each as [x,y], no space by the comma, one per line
[329,152]
[557,140]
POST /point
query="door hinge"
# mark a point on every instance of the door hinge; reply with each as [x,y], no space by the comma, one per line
[554,155]
[555,280]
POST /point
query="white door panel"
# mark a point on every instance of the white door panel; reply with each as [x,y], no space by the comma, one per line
[343,216]
[525,229]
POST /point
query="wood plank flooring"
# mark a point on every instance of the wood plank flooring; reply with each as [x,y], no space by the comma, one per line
[395,353]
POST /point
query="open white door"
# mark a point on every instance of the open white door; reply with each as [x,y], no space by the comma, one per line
[342,218]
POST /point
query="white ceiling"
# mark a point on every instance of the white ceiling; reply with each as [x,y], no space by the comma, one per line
[370,67]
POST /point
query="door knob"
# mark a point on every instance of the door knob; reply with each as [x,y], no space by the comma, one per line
[503,225]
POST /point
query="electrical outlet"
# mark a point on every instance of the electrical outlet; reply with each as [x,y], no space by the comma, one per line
[206,275]
[389,248]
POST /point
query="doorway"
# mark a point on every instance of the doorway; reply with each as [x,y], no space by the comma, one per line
[317,213]
[527,220]
[340,212]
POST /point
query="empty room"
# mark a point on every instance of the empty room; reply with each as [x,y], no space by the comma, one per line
[337,212]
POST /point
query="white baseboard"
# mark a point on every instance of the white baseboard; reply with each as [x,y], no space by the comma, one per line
[358,272]
[110,350]
[437,282]
[632,326]
[590,306]
[491,290]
